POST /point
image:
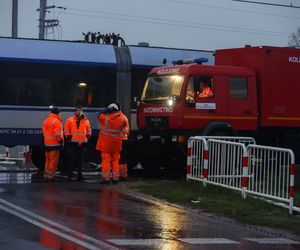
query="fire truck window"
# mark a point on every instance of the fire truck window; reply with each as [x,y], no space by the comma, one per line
[204,86]
[238,88]
[190,98]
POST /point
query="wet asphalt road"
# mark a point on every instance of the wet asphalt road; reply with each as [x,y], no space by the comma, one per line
[88,215]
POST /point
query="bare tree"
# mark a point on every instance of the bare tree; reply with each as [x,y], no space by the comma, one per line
[295,38]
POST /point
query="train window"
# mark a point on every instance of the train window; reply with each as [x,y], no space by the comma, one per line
[89,94]
[85,86]
[40,84]
[26,91]
[238,88]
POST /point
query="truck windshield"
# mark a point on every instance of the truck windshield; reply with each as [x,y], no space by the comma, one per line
[161,88]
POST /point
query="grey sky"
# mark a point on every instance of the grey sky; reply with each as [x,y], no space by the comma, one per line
[197,24]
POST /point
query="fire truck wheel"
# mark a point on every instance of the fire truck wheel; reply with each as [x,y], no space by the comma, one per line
[151,167]
[220,133]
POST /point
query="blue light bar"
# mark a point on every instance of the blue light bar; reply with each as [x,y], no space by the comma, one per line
[201,60]
[192,60]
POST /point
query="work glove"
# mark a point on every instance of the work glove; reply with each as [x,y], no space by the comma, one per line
[102,111]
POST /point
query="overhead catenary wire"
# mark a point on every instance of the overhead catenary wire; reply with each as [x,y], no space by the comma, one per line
[171,22]
[270,4]
[229,9]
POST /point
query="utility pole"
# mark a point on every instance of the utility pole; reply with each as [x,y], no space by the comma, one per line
[14,28]
[45,24]
[43,4]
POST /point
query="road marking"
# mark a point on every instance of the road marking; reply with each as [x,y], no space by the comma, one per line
[137,242]
[150,242]
[272,240]
[92,243]
[208,241]
[67,233]
[54,231]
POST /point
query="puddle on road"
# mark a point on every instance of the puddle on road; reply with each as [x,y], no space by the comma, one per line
[16,174]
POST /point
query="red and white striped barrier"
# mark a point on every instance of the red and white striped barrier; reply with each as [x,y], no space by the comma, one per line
[273,171]
[262,171]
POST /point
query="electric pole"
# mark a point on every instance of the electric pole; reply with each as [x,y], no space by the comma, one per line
[14,28]
[42,9]
[45,24]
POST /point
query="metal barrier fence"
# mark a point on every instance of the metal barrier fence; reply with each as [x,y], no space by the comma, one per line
[197,157]
[227,165]
[10,155]
[244,140]
[217,162]
[273,171]
[257,170]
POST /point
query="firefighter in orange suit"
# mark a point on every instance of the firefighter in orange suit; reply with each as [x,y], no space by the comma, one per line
[114,128]
[53,141]
[77,131]
[206,91]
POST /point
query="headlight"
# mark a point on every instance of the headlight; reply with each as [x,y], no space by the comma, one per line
[170,102]
[174,138]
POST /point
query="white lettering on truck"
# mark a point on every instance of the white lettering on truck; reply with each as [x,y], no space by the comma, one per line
[294,59]
[168,71]
[158,110]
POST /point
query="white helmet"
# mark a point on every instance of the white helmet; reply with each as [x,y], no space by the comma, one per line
[113,106]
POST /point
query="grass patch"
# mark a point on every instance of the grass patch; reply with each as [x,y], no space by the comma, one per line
[223,202]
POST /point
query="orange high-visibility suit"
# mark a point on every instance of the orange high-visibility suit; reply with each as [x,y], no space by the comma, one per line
[53,140]
[114,128]
[206,92]
[77,131]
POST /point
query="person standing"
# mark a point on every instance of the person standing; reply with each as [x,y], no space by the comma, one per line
[53,141]
[114,128]
[77,131]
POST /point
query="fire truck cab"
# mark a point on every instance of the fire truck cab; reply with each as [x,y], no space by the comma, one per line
[174,98]
[192,99]
[251,91]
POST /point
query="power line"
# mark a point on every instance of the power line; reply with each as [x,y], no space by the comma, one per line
[229,9]
[170,22]
[271,4]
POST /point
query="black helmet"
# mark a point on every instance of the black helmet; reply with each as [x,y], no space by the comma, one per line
[54,110]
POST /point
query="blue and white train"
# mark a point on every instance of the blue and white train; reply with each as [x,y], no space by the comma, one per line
[37,73]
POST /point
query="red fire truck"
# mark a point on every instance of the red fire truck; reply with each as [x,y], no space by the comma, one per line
[253,91]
